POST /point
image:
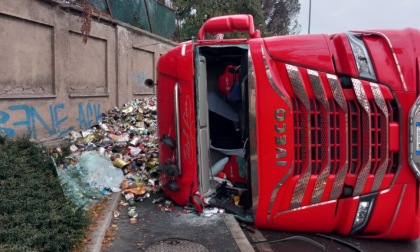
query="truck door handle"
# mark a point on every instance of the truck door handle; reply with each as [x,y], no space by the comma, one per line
[177,127]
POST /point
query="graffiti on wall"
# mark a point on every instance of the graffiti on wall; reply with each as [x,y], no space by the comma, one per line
[54,125]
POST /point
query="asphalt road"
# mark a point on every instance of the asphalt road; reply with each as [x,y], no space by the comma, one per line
[159,227]
[296,245]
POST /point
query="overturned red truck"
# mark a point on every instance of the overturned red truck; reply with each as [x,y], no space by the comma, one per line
[308,133]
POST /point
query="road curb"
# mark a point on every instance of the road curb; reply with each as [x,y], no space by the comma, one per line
[97,236]
[237,233]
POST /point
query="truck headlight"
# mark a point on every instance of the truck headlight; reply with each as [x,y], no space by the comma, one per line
[361,56]
[363,213]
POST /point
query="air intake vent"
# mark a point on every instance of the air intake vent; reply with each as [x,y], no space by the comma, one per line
[338,132]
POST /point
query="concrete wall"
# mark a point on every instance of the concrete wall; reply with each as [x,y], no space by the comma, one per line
[52,83]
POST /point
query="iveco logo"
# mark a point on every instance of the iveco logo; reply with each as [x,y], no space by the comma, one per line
[280,137]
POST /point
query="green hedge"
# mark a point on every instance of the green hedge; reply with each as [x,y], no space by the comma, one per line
[34,214]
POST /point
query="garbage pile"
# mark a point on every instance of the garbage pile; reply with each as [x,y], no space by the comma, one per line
[120,153]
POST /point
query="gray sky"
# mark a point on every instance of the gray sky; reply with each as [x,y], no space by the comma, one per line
[333,16]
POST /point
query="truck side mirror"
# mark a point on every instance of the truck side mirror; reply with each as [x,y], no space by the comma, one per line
[149,83]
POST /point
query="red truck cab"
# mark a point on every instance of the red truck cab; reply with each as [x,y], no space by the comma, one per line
[314,133]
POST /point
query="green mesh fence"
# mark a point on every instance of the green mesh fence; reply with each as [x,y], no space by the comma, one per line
[134,12]
[162,19]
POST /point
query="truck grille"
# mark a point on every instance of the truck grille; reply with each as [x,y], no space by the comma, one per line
[339,134]
[318,131]
[318,128]
[336,120]
[299,134]
[379,132]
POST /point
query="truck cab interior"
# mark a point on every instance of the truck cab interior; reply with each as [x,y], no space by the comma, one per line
[221,77]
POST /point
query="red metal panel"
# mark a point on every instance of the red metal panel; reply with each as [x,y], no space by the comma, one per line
[177,67]
[346,210]
[394,137]
[310,51]
[383,61]
[398,222]
[404,174]
[382,216]
[275,153]
[315,218]
[343,55]
[407,225]
[403,46]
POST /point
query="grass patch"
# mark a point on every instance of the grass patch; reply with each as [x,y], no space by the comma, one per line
[34,213]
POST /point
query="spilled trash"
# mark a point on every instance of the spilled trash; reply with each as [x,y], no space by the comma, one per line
[120,154]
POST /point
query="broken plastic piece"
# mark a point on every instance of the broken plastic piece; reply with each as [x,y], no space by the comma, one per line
[198,203]
[219,166]
[158,200]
